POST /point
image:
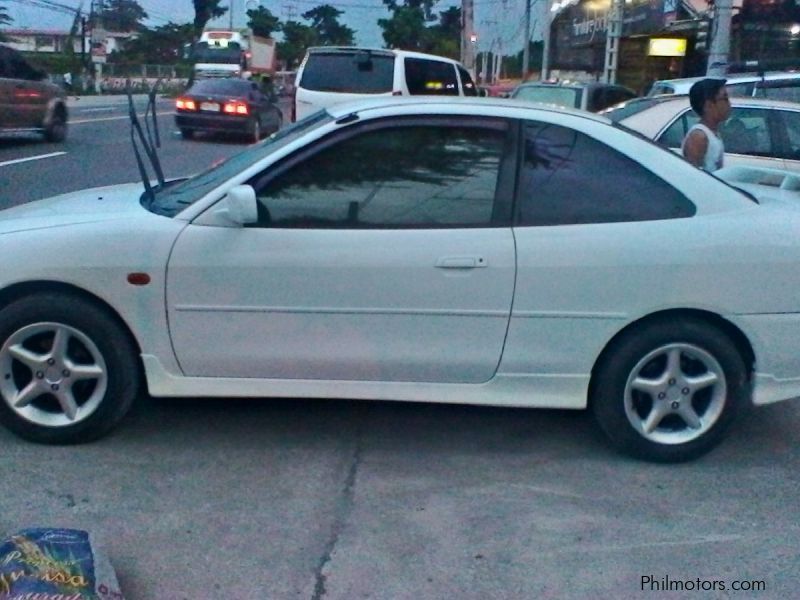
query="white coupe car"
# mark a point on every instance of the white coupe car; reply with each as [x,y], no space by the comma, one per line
[474,251]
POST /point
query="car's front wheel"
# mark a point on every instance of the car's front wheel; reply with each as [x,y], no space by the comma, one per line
[69,371]
[668,390]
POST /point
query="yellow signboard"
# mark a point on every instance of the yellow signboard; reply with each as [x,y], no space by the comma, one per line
[667,47]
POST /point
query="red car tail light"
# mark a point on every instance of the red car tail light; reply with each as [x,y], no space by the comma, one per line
[185,104]
[236,108]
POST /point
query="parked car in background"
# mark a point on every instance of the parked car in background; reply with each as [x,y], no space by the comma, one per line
[760,133]
[227,105]
[332,74]
[777,85]
[592,96]
[28,102]
[498,253]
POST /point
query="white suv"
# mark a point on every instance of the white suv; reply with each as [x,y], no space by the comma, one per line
[332,74]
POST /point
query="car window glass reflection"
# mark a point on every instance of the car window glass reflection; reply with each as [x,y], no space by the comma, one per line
[412,176]
[570,178]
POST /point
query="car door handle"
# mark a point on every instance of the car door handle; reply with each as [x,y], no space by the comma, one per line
[461,262]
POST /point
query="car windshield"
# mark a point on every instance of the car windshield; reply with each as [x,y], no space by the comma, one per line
[169,200]
[550,94]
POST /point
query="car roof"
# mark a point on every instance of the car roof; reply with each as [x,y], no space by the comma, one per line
[464,105]
[377,51]
[569,84]
[686,82]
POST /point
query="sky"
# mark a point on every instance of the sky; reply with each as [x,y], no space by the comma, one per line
[498,23]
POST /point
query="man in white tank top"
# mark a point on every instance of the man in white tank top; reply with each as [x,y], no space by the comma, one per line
[702,145]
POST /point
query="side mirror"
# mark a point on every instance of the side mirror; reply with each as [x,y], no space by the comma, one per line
[238,208]
[242,204]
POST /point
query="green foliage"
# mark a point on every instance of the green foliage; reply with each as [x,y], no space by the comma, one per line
[162,45]
[406,29]
[296,38]
[122,15]
[204,11]
[325,22]
[4,20]
[263,22]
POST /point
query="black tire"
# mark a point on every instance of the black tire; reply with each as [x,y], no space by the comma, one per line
[255,131]
[187,134]
[98,370]
[648,395]
[56,131]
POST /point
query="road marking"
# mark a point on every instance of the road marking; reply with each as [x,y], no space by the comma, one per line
[26,159]
[103,109]
[81,121]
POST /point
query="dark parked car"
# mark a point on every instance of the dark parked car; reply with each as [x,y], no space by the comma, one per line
[28,102]
[227,105]
[592,96]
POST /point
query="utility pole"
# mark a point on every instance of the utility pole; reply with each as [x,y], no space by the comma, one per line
[548,23]
[526,44]
[230,10]
[721,39]
[612,41]
[468,39]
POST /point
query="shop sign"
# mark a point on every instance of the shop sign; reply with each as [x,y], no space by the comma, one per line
[589,19]
[667,47]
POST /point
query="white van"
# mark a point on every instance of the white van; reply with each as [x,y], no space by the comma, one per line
[332,74]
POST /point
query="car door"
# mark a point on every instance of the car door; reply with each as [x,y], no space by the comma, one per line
[382,253]
[747,134]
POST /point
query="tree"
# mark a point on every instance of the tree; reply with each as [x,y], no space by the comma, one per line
[122,15]
[263,22]
[4,20]
[405,28]
[204,11]
[445,38]
[325,21]
[296,38]
[161,45]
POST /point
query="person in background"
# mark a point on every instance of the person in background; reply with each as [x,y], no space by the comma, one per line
[702,145]
[68,82]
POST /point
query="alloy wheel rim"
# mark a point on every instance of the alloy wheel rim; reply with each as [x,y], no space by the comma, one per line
[675,394]
[52,374]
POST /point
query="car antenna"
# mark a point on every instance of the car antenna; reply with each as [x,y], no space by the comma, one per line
[146,142]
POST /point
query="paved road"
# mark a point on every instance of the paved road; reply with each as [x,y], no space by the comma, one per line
[276,499]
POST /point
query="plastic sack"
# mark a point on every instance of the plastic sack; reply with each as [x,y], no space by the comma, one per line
[55,564]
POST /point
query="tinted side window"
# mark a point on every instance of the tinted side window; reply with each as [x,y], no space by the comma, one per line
[673,136]
[426,177]
[430,77]
[791,123]
[747,132]
[568,178]
[740,89]
[468,87]
[358,72]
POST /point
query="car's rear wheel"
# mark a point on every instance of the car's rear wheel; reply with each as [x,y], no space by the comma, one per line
[187,134]
[68,370]
[56,130]
[668,391]
[255,131]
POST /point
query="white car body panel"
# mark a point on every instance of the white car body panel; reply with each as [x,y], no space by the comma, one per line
[573,289]
[382,305]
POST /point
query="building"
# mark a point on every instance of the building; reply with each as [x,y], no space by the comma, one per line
[663,39]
